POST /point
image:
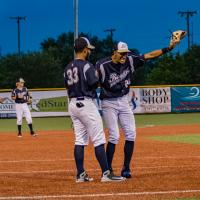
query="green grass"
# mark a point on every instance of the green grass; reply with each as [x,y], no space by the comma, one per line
[167,119]
[198,198]
[59,123]
[64,123]
[188,139]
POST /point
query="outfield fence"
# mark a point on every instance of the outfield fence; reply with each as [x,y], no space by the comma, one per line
[143,99]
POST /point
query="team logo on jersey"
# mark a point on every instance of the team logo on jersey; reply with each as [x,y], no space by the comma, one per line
[114,78]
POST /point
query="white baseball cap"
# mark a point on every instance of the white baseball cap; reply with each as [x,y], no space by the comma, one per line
[21,80]
[122,47]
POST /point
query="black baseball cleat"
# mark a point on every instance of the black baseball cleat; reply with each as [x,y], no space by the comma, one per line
[110,177]
[83,177]
[112,172]
[19,135]
[33,134]
[126,173]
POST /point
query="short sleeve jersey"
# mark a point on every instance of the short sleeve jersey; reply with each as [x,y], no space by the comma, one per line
[18,92]
[80,78]
[115,79]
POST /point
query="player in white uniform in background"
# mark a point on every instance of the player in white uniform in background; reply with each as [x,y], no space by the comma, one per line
[115,74]
[22,97]
[81,82]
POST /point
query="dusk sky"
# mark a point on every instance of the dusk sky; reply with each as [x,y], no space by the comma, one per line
[144,24]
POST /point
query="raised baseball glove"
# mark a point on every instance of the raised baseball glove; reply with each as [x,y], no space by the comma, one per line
[177,36]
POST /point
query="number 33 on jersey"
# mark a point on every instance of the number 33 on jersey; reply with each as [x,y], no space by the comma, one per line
[80,79]
[72,75]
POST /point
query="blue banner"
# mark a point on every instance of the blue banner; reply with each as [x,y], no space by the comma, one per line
[185,99]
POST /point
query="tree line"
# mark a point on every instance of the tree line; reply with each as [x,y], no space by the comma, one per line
[44,69]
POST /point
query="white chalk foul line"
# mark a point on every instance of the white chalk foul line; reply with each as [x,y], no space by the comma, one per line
[48,160]
[70,196]
[72,159]
[90,170]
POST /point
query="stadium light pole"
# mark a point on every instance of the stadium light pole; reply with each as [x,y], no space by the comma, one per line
[75,20]
[111,31]
[18,19]
[187,15]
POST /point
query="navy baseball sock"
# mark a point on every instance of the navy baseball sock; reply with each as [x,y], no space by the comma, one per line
[128,152]
[110,150]
[101,157]
[79,158]
[30,127]
[19,128]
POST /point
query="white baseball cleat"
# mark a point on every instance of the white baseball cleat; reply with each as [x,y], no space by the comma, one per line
[110,177]
[33,133]
[83,177]
[19,135]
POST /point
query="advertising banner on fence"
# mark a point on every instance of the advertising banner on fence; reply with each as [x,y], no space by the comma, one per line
[185,99]
[45,103]
[134,100]
[7,108]
[142,100]
[150,100]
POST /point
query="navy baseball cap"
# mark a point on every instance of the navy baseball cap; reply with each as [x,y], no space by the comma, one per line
[121,47]
[82,42]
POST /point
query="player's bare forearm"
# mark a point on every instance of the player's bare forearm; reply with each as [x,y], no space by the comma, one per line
[176,37]
[153,54]
[157,53]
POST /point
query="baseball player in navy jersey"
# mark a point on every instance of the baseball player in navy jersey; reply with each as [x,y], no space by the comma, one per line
[81,81]
[115,74]
[22,97]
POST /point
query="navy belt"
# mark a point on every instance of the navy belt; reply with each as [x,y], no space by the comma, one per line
[80,98]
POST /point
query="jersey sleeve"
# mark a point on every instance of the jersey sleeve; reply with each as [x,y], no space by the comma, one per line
[28,93]
[98,68]
[136,61]
[91,75]
[101,71]
[13,93]
[65,77]
[25,94]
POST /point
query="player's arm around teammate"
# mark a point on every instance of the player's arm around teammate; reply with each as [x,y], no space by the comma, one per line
[21,96]
[115,73]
